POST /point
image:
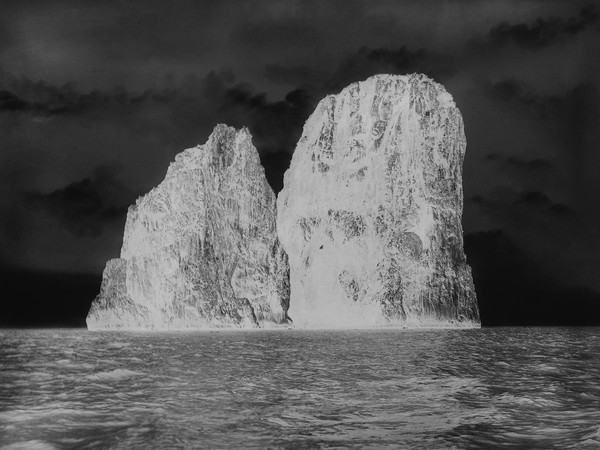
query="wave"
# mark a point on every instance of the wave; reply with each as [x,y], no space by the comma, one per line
[29,445]
[113,375]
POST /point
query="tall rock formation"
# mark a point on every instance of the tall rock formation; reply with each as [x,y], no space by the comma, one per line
[370,212]
[201,249]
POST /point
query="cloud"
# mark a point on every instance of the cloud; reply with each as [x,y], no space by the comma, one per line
[556,236]
[508,204]
[297,75]
[578,102]
[361,64]
[85,206]
[275,126]
[525,174]
[139,133]
[22,95]
[278,34]
[191,107]
[527,165]
[540,33]
[401,60]
[542,202]
[10,102]
[567,120]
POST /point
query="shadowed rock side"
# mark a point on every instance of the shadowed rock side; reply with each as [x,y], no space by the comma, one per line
[370,212]
[201,249]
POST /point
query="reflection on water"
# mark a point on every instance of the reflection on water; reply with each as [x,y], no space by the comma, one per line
[501,388]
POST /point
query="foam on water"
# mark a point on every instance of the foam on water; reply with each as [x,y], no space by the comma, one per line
[499,388]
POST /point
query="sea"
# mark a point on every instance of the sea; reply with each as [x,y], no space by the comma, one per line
[521,388]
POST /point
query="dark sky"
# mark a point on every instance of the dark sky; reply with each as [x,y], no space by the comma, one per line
[96,98]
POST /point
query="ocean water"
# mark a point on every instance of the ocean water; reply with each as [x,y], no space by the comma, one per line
[490,388]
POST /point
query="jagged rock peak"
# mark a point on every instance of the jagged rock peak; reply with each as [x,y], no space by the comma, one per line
[370,212]
[200,250]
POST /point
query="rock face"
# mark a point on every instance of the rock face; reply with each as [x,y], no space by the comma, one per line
[201,249]
[370,212]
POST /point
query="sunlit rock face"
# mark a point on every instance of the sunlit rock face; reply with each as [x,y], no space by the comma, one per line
[201,249]
[370,212]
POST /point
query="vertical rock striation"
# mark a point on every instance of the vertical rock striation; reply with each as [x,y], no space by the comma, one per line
[201,249]
[370,212]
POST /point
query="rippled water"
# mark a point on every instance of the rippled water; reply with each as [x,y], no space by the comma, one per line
[509,387]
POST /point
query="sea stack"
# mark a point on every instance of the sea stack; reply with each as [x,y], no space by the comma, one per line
[370,212]
[201,249]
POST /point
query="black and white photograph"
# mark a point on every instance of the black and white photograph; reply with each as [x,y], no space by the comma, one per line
[299,224]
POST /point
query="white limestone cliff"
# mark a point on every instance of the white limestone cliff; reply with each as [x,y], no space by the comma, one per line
[200,250]
[370,212]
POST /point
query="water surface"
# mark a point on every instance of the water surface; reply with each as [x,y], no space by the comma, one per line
[498,388]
